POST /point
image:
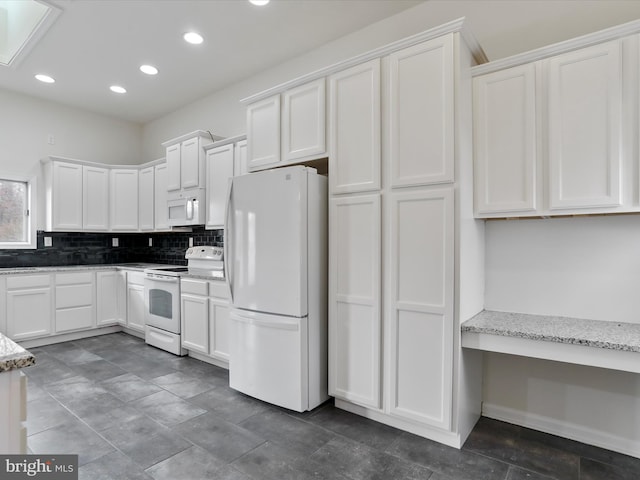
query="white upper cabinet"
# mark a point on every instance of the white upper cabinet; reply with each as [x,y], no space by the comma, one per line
[124,199]
[287,127]
[185,160]
[585,107]
[240,166]
[146,198]
[190,163]
[173,167]
[505,140]
[303,121]
[354,137]
[160,195]
[95,195]
[422,113]
[550,133]
[263,133]
[219,170]
[64,196]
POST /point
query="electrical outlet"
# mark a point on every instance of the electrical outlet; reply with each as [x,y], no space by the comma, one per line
[150,242]
[51,139]
[47,242]
[115,242]
[191,241]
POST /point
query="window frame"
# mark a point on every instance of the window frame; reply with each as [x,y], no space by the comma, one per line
[32,234]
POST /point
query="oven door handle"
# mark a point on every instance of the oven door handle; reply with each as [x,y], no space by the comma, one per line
[165,280]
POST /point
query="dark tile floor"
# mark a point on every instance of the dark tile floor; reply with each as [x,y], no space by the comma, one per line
[134,412]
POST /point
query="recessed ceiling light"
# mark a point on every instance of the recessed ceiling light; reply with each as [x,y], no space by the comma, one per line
[148,69]
[117,89]
[259,3]
[45,78]
[193,37]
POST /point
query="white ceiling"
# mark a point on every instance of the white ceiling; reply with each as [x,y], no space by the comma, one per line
[97,43]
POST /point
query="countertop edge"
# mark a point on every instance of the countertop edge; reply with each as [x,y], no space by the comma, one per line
[603,334]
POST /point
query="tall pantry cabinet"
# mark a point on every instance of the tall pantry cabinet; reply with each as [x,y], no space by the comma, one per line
[406,255]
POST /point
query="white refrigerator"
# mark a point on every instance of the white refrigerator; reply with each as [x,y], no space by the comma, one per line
[276,266]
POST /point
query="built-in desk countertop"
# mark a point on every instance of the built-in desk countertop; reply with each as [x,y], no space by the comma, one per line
[597,343]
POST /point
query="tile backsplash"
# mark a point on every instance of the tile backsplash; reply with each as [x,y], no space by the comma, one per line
[96,248]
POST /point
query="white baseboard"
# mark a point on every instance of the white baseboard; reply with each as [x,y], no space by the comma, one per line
[564,429]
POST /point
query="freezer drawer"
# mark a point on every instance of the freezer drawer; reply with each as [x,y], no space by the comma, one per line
[268,358]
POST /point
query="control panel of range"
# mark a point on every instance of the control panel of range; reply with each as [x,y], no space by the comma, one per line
[204,252]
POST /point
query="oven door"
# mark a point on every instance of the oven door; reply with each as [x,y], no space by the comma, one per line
[162,302]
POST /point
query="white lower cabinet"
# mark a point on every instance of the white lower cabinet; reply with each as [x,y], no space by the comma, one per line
[75,303]
[195,322]
[107,308]
[354,299]
[219,328]
[135,301]
[29,306]
[205,317]
[13,415]
[420,315]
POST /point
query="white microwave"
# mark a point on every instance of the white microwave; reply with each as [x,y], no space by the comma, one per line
[186,208]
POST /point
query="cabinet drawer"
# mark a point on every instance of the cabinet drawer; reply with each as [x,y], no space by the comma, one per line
[195,287]
[219,289]
[28,281]
[74,295]
[74,278]
[74,319]
[136,278]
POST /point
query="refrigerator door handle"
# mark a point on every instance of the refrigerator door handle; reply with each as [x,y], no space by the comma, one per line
[281,324]
[227,239]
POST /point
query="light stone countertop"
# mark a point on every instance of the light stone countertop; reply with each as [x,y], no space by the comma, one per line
[13,356]
[70,268]
[591,333]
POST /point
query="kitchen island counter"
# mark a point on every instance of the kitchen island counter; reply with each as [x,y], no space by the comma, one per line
[13,356]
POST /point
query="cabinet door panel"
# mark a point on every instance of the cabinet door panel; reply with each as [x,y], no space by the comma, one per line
[240,166]
[219,170]
[173,166]
[145,198]
[195,323]
[135,307]
[263,133]
[124,199]
[354,300]
[29,313]
[160,197]
[106,298]
[189,163]
[421,306]
[303,121]
[421,113]
[67,196]
[219,329]
[354,151]
[585,105]
[95,194]
[505,141]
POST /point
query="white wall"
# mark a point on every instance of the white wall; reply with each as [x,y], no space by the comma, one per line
[26,122]
[502,28]
[581,267]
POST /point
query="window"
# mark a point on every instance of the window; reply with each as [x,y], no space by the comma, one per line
[17,222]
